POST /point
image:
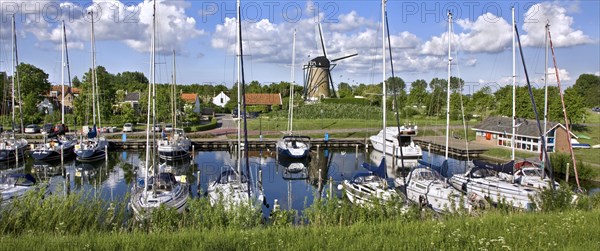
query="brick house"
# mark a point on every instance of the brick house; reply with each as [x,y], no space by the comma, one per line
[497,131]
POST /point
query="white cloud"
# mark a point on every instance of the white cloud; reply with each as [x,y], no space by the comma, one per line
[488,34]
[352,34]
[115,20]
[597,73]
[563,34]
[563,74]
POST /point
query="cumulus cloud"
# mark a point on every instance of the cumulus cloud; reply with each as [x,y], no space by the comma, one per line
[113,20]
[563,74]
[561,26]
[352,34]
[489,34]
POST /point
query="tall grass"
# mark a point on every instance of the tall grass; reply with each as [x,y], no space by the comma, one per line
[81,222]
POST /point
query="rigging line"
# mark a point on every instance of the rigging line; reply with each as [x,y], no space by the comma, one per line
[395,102]
[535,111]
[462,107]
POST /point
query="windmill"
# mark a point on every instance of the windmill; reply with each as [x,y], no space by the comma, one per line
[317,74]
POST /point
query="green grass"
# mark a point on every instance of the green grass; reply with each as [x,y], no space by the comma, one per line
[280,124]
[554,231]
[592,117]
[506,154]
[76,222]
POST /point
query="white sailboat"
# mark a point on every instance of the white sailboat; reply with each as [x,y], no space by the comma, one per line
[58,145]
[174,145]
[366,189]
[160,187]
[424,185]
[94,147]
[233,188]
[293,146]
[12,149]
[496,182]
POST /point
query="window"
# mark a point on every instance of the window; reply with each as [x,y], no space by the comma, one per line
[222,102]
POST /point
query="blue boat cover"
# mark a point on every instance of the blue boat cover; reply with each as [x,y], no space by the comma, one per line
[93,133]
[380,170]
[442,169]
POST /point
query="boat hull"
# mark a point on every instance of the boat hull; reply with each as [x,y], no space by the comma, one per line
[52,155]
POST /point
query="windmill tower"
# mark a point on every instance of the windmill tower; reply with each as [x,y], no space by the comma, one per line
[317,74]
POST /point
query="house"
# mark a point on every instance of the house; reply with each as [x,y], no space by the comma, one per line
[264,99]
[221,99]
[192,99]
[497,131]
[53,99]
[132,98]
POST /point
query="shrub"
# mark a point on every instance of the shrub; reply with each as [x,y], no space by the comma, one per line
[206,127]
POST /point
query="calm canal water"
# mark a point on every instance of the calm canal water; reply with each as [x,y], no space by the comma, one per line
[112,179]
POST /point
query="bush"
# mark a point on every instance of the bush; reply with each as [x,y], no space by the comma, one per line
[559,164]
[410,112]
[206,127]
[257,108]
[352,101]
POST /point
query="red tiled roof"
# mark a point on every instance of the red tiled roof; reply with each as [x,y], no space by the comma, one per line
[189,97]
[263,99]
[58,88]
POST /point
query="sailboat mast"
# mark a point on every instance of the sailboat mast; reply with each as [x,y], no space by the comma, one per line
[292,84]
[448,84]
[174,100]
[546,82]
[566,118]
[14,68]
[384,87]
[514,88]
[67,56]
[16,78]
[93,72]
[246,157]
[239,89]
[62,76]
[149,105]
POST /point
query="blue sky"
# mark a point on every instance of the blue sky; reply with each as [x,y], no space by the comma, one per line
[203,34]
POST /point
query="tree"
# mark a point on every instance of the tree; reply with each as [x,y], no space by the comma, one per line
[482,101]
[588,87]
[33,81]
[437,99]
[76,82]
[344,90]
[418,93]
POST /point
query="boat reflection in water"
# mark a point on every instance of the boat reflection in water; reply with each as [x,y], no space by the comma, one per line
[393,164]
[294,169]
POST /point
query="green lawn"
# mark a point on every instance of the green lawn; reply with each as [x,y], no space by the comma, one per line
[279,124]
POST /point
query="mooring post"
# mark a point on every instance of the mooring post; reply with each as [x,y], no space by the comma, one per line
[318,146]
[260,181]
[62,157]
[429,152]
[106,152]
[357,151]
[17,155]
[193,151]
[68,183]
[275,205]
[330,187]
[320,180]
[567,173]
[198,181]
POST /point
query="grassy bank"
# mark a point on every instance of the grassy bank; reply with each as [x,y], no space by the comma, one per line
[573,230]
[80,222]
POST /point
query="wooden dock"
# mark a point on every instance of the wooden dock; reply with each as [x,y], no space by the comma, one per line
[228,144]
[456,147]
